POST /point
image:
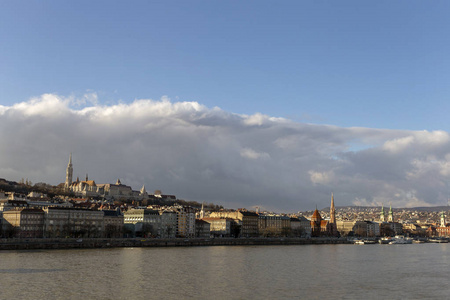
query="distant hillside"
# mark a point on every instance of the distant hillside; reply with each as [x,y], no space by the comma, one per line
[371,208]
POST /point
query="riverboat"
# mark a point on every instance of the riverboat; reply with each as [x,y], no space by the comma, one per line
[385,240]
[399,239]
[364,242]
[438,240]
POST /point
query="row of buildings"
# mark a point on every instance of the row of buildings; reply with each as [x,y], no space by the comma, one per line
[26,217]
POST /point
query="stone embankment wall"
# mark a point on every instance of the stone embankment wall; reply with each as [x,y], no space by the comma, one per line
[24,244]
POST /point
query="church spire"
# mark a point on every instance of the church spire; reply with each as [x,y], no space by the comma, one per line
[391,214]
[143,192]
[382,216]
[202,212]
[332,211]
[69,173]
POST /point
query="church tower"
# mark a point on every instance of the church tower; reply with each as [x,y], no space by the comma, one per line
[202,212]
[333,225]
[391,215]
[69,173]
[382,216]
[332,211]
[443,219]
[316,223]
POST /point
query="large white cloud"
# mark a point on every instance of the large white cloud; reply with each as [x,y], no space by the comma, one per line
[211,155]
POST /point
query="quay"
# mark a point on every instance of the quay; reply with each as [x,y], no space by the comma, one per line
[86,243]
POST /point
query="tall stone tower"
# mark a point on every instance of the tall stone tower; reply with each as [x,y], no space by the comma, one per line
[443,219]
[333,225]
[69,173]
[332,211]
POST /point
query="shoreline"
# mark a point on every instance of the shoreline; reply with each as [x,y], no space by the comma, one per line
[97,243]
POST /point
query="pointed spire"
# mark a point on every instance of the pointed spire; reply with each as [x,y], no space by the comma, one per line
[332,210]
[69,173]
[391,214]
[202,212]
[143,191]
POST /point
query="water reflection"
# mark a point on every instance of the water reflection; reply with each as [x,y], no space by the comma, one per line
[235,272]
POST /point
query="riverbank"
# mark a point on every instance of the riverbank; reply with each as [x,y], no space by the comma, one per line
[35,244]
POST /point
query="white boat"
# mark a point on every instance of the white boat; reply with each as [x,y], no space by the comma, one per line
[364,242]
[418,241]
[399,239]
[385,240]
[438,240]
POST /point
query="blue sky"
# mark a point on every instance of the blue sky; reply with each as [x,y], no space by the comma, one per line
[315,97]
[378,64]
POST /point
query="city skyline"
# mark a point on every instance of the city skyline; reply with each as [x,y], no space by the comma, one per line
[243,104]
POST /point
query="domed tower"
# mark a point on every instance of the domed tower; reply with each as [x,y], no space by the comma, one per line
[316,221]
[391,215]
[382,215]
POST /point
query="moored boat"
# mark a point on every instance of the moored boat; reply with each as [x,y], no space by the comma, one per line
[399,239]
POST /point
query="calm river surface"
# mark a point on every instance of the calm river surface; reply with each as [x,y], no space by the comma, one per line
[418,271]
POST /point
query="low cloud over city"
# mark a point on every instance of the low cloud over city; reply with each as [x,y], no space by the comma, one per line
[208,154]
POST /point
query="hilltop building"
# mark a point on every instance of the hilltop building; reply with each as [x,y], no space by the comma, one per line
[88,188]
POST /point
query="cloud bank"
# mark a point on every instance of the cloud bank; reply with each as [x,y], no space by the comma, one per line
[203,154]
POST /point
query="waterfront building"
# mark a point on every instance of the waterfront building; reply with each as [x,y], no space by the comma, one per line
[391,228]
[220,227]
[23,223]
[305,224]
[246,220]
[168,223]
[73,222]
[143,222]
[113,222]
[202,229]
[296,227]
[185,221]
[372,229]
[413,229]
[273,225]
[345,227]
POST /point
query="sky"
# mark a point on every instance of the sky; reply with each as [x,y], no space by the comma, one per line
[240,103]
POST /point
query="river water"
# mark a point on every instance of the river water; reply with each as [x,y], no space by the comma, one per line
[418,271]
